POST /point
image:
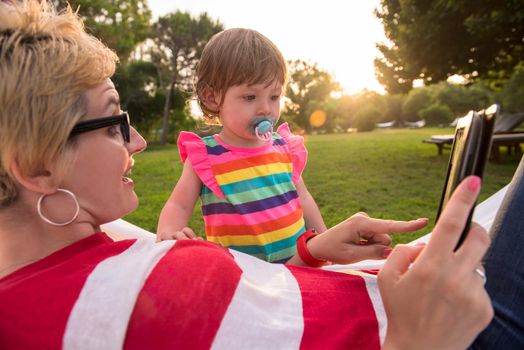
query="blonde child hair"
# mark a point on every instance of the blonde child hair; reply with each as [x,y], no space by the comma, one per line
[234,57]
[44,67]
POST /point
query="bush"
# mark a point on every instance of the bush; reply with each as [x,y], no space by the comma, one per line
[479,96]
[513,92]
[437,114]
[417,100]
[454,96]
[392,108]
[366,118]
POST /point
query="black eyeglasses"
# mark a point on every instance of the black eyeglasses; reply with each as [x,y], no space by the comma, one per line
[98,123]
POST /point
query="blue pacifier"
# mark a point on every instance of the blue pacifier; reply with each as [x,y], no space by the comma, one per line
[264,130]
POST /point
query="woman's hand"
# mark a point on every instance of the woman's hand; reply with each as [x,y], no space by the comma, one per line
[437,300]
[358,238]
[184,233]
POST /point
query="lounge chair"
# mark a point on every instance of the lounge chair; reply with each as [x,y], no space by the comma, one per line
[508,122]
[415,125]
[503,135]
[386,124]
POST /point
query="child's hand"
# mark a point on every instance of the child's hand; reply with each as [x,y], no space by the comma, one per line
[184,233]
[358,238]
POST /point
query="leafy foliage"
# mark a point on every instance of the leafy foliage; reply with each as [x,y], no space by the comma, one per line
[460,99]
[392,108]
[437,114]
[142,96]
[366,118]
[179,40]
[343,110]
[309,87]
[417,100]
[137,84]
[482,41]
[121,24]
[432,40]
[513,92]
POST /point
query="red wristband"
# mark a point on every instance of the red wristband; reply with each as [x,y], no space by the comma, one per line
[304,253]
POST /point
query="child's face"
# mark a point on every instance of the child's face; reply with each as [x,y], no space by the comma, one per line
[245,105]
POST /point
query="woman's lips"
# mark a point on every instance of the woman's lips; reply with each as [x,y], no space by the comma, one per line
[127,180]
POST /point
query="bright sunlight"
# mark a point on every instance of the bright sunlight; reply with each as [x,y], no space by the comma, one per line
[339,36]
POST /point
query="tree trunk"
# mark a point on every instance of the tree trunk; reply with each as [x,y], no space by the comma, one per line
[165,119]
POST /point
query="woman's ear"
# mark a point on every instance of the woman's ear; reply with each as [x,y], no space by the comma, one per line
[40,183]
[210,99]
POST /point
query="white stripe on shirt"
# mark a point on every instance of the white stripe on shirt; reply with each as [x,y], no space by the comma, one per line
[378,306]
[266,309]
[101,313]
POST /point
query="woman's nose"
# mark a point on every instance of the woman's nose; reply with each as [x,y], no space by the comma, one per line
[136,143]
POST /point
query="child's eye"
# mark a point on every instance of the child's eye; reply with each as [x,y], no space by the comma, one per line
[249,97]
[275,97]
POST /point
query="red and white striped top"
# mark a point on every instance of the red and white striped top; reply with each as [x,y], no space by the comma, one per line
[138,294]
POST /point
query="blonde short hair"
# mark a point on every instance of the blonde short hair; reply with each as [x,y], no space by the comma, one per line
[234,57]
[47,62]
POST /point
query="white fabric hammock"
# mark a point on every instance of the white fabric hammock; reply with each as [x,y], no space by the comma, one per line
[484,215]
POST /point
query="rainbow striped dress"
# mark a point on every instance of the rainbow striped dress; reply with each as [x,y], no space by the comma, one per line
[248,197]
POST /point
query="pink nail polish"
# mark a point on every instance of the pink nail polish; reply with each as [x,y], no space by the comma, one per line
[474,183]
[386,252]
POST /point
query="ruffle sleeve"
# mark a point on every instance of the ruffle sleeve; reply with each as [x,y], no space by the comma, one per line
[191,146]
[297,148]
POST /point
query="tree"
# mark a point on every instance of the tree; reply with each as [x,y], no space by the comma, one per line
[140,95]
[437,114]
[392,108]
[417,100]
[366,118]
[460,99]
[391,72]
[338,121]
[179,40]
[452,96]
[432,40]
[120,24]
[513,92]
[309,87]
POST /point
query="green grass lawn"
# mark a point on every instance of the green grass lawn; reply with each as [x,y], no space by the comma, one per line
[386,173]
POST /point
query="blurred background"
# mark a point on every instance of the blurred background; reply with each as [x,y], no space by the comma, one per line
[353,64]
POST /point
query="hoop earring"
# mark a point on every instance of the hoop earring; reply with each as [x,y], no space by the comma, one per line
[42,216]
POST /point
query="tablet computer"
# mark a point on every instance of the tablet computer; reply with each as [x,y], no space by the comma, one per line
[469,154]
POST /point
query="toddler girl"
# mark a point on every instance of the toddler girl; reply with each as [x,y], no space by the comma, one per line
[248,176]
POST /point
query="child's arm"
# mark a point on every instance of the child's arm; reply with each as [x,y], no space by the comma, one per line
[178,209]
[312,214]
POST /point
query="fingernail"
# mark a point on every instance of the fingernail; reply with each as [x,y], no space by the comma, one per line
[474,183]
[420,244]
[422,219]
[386,252]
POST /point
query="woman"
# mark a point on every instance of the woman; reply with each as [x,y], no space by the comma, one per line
[66,153]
